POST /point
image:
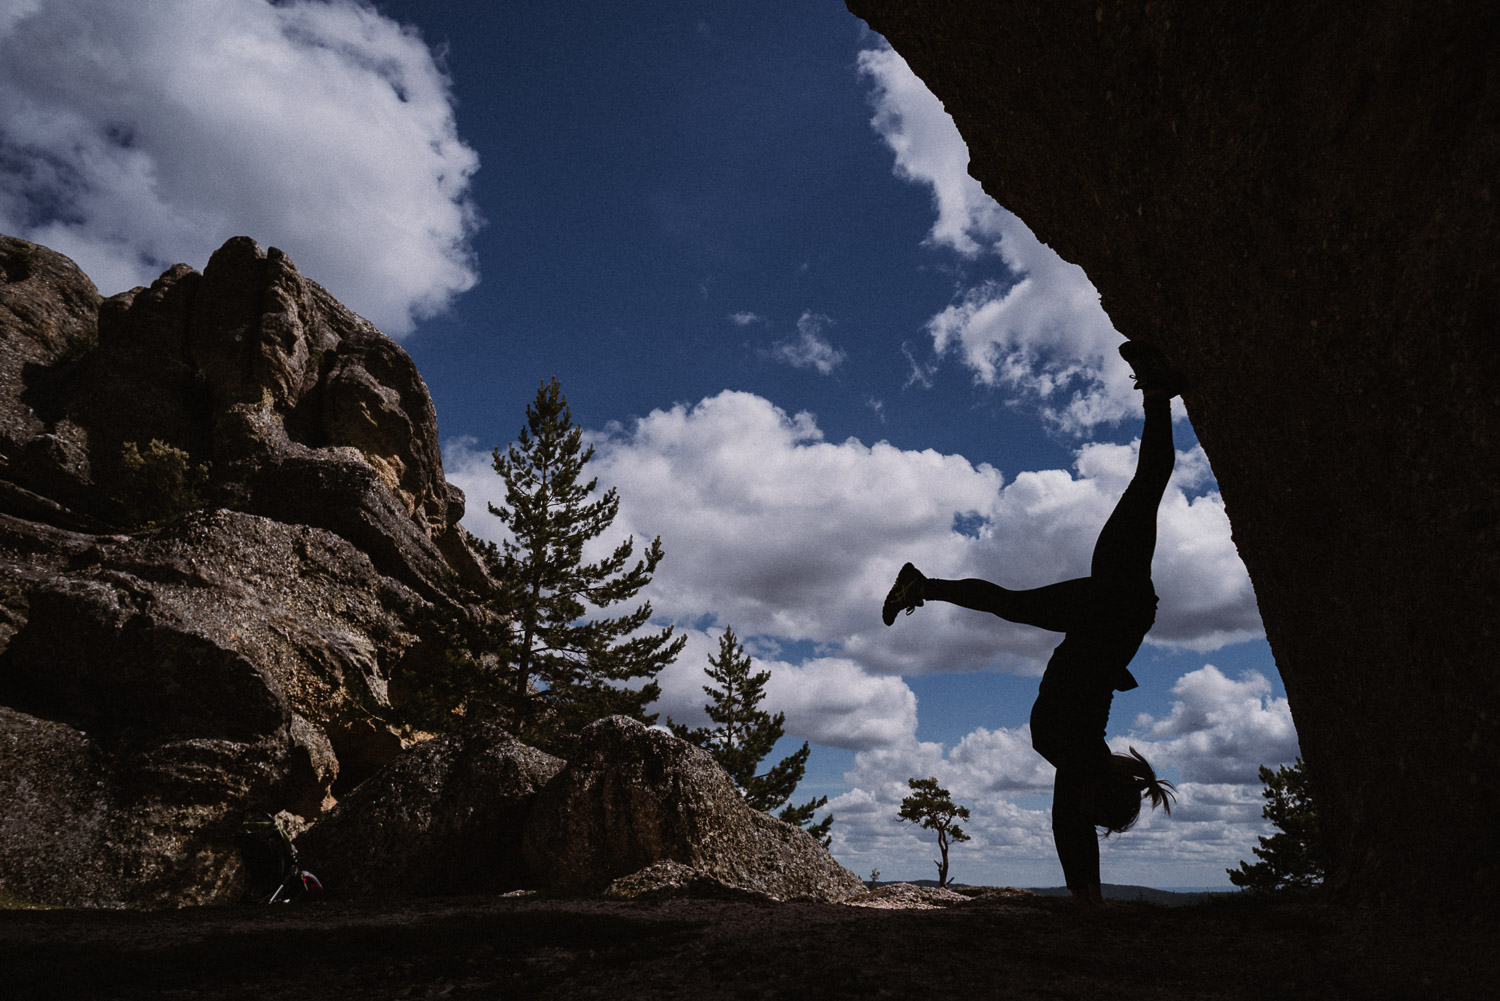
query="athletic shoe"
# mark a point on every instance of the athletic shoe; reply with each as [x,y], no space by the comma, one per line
[905,593]
[1152,373]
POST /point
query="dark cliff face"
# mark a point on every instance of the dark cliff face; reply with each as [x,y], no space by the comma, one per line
[1296,203]
[170,661]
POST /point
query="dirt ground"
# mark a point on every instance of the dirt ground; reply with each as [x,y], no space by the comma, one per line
[1000,944]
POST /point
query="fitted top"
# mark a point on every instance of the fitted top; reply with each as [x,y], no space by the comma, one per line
[1071,711]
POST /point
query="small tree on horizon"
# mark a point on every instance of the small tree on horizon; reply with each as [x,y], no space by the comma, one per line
[745,734]
[931,806]
[1294,857]
[582,665]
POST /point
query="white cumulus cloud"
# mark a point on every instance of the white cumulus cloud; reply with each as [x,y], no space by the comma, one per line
[810,348]
[828,700]
[1043,332]
[136,135]
[1220,729]
[834,701]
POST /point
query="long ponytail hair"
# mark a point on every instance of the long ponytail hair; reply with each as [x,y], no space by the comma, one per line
[1128,779]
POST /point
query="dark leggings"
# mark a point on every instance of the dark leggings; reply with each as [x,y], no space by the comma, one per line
[1122,554]
[1119,575]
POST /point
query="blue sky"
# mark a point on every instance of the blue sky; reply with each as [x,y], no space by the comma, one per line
[807,347]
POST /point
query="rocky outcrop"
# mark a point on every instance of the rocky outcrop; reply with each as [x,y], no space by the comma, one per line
[632,797]
[1296,204]
[160,685]
[166,668]
[302,410]
[908,896]
[445,817]
[218,624]
[636,814]
[49,320]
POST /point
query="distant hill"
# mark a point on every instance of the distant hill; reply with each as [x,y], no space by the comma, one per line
[1112,891]
[1117,891]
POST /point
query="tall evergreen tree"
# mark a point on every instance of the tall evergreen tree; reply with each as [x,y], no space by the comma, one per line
[745,734]
[581,665]
[931,806]
[1294,857]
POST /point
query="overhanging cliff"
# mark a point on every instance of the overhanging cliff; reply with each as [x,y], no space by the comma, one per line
[1296,203]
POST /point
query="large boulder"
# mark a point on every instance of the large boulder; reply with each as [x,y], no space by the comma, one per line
[162,684]
[110,820]
[216,624]
[632,796]
[444,817]
[55,801]
[1296,203]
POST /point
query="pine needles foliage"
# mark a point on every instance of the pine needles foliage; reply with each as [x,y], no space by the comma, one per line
[541,651]
[1294,857]
[744,734]
[560,650]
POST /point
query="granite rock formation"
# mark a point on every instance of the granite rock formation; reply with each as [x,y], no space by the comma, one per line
[1296,203]
[162,675]
[444,817]
[636,814]
[632,797]
[166,669]
[305,412]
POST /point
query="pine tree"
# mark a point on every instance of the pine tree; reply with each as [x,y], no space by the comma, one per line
[1293,857]
[745,734]
[931,806]
[581,665]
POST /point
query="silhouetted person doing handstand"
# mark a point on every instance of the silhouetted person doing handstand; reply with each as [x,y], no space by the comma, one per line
[1104,616]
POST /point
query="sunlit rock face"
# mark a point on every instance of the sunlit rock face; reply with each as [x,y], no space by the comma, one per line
[1298,208]
[306,412]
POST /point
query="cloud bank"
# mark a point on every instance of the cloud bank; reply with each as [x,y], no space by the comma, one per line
[136,135]
[785,536]
[1042,332]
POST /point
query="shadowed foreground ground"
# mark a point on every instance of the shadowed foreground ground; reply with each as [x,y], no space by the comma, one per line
[1006,944]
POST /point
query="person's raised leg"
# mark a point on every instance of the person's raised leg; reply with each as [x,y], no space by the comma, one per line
[1128,540]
